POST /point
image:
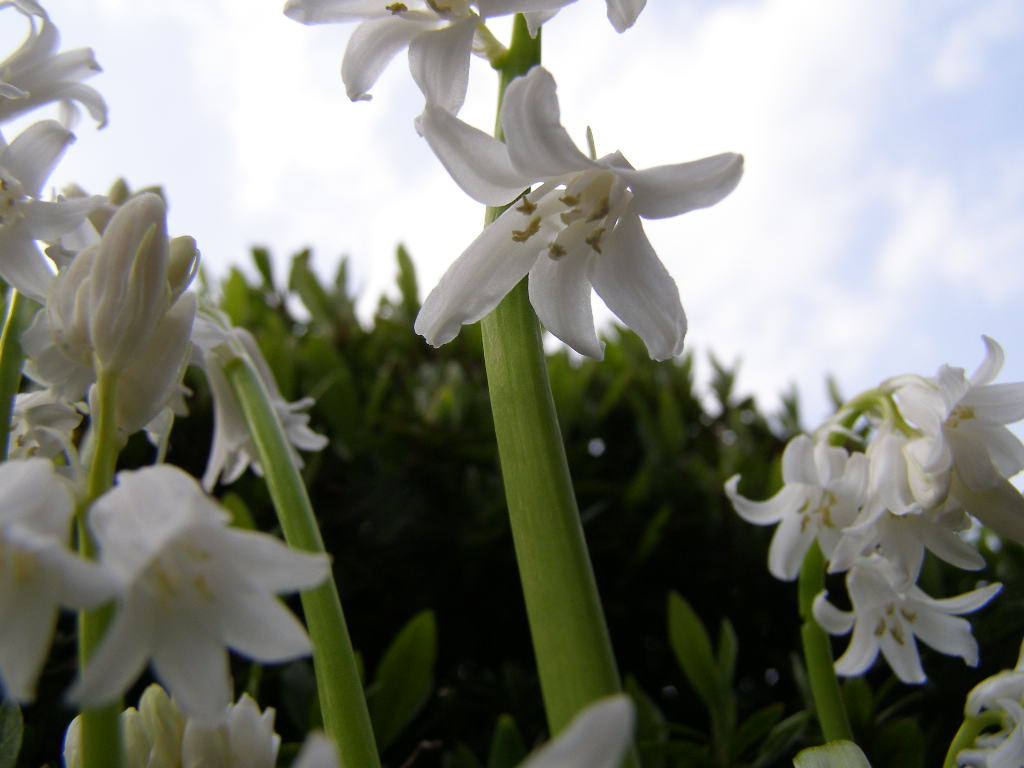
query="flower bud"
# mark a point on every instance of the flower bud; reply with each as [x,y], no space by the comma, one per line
[183,265]
[129,295]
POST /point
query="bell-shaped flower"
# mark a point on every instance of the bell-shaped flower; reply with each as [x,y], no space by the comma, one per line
[822,492]
[245,737]
[963,421]
[41,425]
[25,164]
[579,229]
[38,573]
[192,588]
[887,619]
[597,737]
[36,74]
[232,452]
[439,34]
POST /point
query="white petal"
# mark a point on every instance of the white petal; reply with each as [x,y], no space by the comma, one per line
[261,627]
[477,162]
[991,365]
[596,738]
[317,752]
[48,221]
[798,462]
[861,653]
[22,264]
[668,190]
[1001,507]
[490,8]
[272,564]
[965,603]
[950,547]
[830,618]
[789,546]
[439,61]
[121,655]
[1001,403]
[477,281]
[193,667]
[538,145]
[635,285]
[34,154]
[25,634]
[330,11]
[372,46]
[560,294]
[947,634]
[786,501]
[903,658]
[622,13]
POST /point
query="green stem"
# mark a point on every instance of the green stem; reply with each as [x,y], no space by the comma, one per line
[342,702]
[968,733]
[828,701]
[11,359]
[570,638]
[101,732]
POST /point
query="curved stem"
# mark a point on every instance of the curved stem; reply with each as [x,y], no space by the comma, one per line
[342,702]
[828,701]
[965,736]
[570,637]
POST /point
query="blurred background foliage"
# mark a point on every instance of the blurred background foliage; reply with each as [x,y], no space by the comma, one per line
[410,501]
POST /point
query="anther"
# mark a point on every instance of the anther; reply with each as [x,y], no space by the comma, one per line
[526,207]
[396,8]
[594,241]
[556,251]
[522,235]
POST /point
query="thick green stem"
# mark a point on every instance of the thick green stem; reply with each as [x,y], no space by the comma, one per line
[101,733]
[11,359]
[570,638]
[342,702]
[828,701]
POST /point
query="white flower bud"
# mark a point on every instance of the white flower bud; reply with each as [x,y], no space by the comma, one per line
[183,264]
[128,293]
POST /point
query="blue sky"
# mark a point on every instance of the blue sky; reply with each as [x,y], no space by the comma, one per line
[879,228]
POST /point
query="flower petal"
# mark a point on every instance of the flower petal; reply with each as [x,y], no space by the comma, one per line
[477,281]
[596,738]
[991,365]
[622,13]
[830,618]
[439,61]
[490,8]
[193,667]
[947,634]
[272,564]
[903,657]
[560,293]
[262,628]
[30,615]
[48,221]
[1000,507]
[668,190]
[372,46]
[1002,403]
[861,653]
[767,512]
[538,145]
[635,285]
[330,11]
[477,162]
[22,264]
[798,462]
[33,155]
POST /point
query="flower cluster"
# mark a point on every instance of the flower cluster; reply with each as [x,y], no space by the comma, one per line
[574,223]
[936,453]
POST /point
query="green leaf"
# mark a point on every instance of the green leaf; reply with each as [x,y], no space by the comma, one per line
[728,646]
[781,739]
[461,757]
[261,258]
[405,677]
[11,727]
[303,281]
[407,284]
[835,754]
[899,742]
[651,728]
[507,746]
[756,727]
[692,648]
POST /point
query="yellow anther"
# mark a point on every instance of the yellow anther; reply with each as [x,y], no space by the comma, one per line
[880,628]
[522,235]
[908,614]
[601,211]
[396,8]
[594,241]
[526,207]
[897,633]
[570,200]
[556,251]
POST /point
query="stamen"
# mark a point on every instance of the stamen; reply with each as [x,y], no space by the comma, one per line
[556,251]
[601,211]
[570,200]
[594,241]
[396,8]
[522,235]
[526,207]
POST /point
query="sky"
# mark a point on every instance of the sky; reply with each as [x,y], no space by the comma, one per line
[878,230]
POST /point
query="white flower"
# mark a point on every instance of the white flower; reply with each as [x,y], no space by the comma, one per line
[888,620]
[232,450]
[579,229]
[1001,695]
[965,438]
[38,572]
[192,588]
[597,737]
[822,491]
[439,34]
[317,752]
[245,738]
[41,425]
[35,74]
[25,165]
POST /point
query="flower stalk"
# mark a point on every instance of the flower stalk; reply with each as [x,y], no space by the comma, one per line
[342,702]
[828,700]
[570,638]
[11,358]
